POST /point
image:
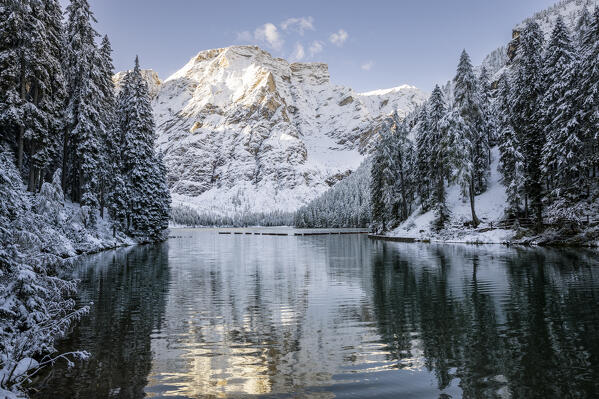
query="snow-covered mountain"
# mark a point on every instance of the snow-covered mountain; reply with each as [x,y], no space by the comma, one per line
[569,10]
[244,132]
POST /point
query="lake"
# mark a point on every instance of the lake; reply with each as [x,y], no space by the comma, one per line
[205,315]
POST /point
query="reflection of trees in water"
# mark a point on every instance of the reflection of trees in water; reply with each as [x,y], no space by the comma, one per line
[537,337]
[128,288]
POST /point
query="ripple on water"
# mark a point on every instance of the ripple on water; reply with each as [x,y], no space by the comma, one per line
[340,316]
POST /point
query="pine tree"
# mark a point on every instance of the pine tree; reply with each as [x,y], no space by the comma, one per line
[82,138]
[562,152]
[438,166]
[377,186]
[489,119]
[423,156]
[46,91]
[110,158]
[582,27]
[15,54]
[474,167]
[588,100]
[511,161]
[526,104]
[143,171]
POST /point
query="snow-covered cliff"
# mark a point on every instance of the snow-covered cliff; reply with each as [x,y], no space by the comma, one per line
[244,132]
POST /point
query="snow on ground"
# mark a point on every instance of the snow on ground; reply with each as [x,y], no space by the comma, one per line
[489,209]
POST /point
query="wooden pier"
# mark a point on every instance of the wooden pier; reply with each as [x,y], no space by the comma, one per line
[392,239]
[294,233]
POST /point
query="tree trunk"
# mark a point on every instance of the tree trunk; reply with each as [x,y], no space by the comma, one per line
[475,221]
[63,177]
[20,140]
[32,183]
[102,203]
[21,132]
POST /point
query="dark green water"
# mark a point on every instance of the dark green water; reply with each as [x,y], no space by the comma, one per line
[334,316]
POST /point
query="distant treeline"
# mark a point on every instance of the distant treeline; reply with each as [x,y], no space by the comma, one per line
[187,216]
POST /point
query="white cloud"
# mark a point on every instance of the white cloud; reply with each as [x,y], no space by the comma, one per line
[367,66]
[299,53]
[270,34]
[339,37]
[298,24]
[316,47]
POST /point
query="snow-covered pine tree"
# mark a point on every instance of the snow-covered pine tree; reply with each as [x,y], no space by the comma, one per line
[84,125]
[588,101]
[110,158]
[160,205]
[473,139]
[377,187]
[511,162]
[144,174]
[489,117]
[582,26]
[15,54]
[438,167]
[526,92]
[423,156]
[403,164]
[562,152]
[45,88]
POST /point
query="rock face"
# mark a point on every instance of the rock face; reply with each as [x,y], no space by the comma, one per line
[243,132]
[149,76]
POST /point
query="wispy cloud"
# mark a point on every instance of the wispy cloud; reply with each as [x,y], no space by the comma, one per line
[316,47]
[300,25]
[367,66]
[299,53]
[275,36]
[339,37]
[270,34]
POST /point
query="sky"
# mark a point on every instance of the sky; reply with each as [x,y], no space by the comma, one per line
[368,44]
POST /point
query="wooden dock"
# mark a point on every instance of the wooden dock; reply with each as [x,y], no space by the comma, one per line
[392,239]
[294,233]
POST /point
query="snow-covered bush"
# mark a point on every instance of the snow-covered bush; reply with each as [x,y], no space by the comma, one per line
[35,304]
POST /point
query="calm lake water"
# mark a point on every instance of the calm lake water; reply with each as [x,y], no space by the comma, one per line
[228,316]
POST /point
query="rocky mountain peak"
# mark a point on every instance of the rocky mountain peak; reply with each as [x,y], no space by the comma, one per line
[244,132]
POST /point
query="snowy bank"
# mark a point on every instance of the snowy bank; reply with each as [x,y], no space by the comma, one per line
[490,208]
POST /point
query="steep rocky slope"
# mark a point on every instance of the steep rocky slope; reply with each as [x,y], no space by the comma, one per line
[244,132]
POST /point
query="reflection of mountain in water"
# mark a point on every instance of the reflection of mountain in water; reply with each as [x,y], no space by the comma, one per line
[500,322]
[261,315]
[128,288]
[342,316]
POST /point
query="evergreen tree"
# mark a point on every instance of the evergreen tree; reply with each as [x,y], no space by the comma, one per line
[588,100]
[82,139]
[15,54]
[423,156]
[473,139]
[110,159]
[144,172]
[511,161]
[377,187]
[562,152]
[526,104]
[582,27]
[489,120]
[438,155]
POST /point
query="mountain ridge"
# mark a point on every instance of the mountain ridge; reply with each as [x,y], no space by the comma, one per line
[244,132]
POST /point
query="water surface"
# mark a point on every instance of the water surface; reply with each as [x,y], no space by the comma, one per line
[227,316]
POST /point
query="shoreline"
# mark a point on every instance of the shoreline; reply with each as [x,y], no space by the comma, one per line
[524,242]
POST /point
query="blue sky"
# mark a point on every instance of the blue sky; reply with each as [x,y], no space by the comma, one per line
[367,44]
